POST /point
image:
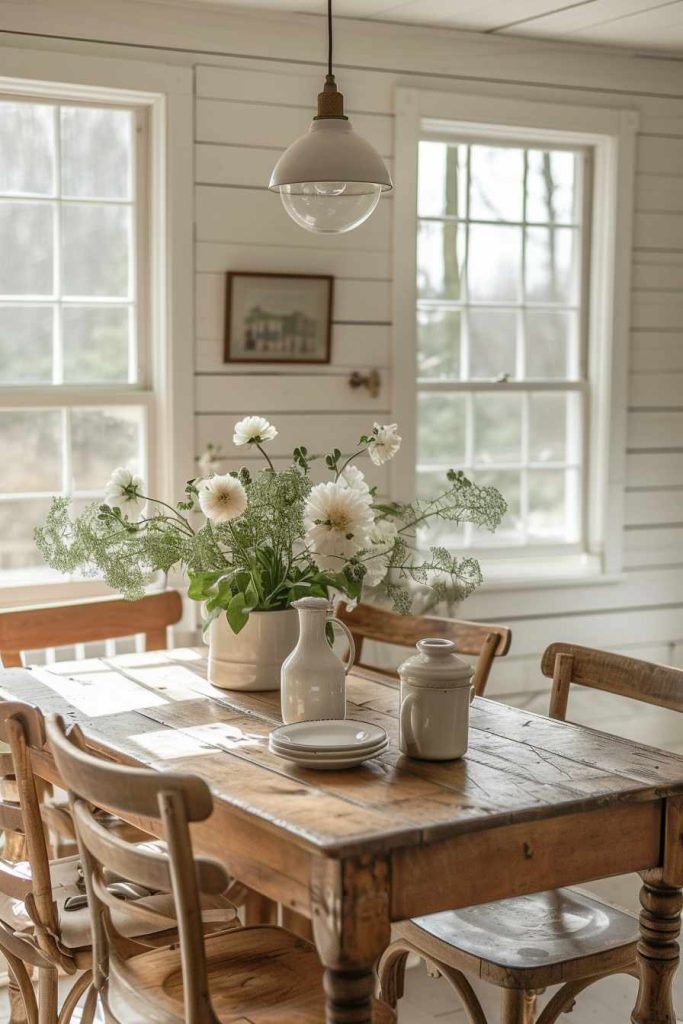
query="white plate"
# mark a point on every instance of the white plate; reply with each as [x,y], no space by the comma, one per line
[329,735]
[326,764]
[326,755]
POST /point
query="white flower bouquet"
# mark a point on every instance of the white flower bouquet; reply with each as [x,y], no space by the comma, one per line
[259,542]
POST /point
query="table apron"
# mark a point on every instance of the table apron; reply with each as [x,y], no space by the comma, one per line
[523,858]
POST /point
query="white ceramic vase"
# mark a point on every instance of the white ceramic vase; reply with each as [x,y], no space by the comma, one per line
[252,659]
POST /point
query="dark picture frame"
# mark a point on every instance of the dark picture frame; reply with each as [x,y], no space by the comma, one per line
[278,318]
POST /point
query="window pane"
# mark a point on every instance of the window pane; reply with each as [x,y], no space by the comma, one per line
[31,446]
[550,262]
[547,427]
[103,439]
[441,430]
[95,343]
[551,191]
[440,260]
[18,520]
[26,258]
[96,153]
[493,263]
[442,178]
[492,343]
[438,342]
[95,249]
[497,428]
[496,183]
[508,483]
[546,504]
[551,344]
[27,146]
[26,344]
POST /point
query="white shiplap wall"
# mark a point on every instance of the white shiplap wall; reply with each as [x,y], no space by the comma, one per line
[256,78]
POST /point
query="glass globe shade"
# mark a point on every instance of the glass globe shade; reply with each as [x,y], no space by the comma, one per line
[330,207]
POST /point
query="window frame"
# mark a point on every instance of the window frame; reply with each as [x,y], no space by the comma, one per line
[609,136]
[163,96]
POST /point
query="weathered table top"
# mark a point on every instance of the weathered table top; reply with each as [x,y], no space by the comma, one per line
[158,709]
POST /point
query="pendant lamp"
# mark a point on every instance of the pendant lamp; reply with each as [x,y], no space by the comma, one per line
[330,180]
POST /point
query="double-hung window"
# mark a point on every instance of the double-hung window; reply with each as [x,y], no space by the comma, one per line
[500,330]
[512,255]
[75,398]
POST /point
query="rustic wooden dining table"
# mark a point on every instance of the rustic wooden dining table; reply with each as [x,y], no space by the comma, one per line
[533,805]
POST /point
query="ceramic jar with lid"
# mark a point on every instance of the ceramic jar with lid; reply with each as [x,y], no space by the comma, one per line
[436,691]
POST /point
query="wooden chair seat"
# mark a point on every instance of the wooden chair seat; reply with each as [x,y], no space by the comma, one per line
[548,935]
[258,975]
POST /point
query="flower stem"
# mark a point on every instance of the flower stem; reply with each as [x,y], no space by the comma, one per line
[265,456]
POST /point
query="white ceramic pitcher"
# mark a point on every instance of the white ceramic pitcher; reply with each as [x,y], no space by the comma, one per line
[436,691]
[313,679]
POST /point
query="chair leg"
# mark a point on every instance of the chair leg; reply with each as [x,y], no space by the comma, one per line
[22,999]
[519,1007]
[391,972]
[74,997]
[47,995]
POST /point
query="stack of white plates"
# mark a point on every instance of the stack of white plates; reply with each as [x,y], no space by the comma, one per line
[328,745]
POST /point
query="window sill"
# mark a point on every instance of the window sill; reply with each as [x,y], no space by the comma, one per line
[533,573]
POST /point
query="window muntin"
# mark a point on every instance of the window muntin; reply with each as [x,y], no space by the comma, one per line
[500,300]
[73,224]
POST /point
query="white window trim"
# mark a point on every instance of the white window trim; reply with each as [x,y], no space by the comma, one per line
[167,92]
[611,134]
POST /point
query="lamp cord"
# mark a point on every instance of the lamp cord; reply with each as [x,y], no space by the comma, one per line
[329,37]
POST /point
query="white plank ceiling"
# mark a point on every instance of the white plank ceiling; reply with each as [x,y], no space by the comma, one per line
[642,25]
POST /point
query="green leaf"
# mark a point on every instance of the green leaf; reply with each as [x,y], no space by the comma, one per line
[201,584]
[236,613]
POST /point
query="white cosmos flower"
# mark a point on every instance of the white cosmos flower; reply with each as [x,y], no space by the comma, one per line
[338,521]
[124,491]
[355,479]
[253,430]
[222,498]
[382,538]
[384,443]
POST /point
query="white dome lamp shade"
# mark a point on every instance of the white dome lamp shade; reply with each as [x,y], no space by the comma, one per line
[330,180]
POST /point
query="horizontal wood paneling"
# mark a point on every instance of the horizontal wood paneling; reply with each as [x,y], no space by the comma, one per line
[654,469]
[257,218]
[656,389]
[647,508]
[276,125]
[216,257]
[655,429]
[655,351]
[654,545]
[283,393]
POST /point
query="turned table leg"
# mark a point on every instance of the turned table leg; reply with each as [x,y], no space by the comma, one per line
[658,951]
[351,927]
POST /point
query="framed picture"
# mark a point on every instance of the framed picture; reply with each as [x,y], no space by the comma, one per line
[278,318]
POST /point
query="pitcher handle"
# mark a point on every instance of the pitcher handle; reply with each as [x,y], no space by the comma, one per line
[348,664]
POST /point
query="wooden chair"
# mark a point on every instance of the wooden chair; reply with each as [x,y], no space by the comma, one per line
[81,622]
[259,974]
[481,640]
[525,944]
[44,918]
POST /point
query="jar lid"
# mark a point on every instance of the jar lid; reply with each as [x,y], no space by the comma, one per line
[436,664]
[321,603]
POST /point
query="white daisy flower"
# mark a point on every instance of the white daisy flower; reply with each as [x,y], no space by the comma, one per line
[355,479]
[222,498]
[384,443]
[338,521]
[253,430]
[382,538]
[124,491]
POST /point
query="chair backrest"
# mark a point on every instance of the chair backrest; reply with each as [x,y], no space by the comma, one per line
[481,640]
[613,673]
[22,728]
[61,625]
[173,799]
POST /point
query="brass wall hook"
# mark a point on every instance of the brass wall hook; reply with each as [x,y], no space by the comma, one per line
[371,380]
